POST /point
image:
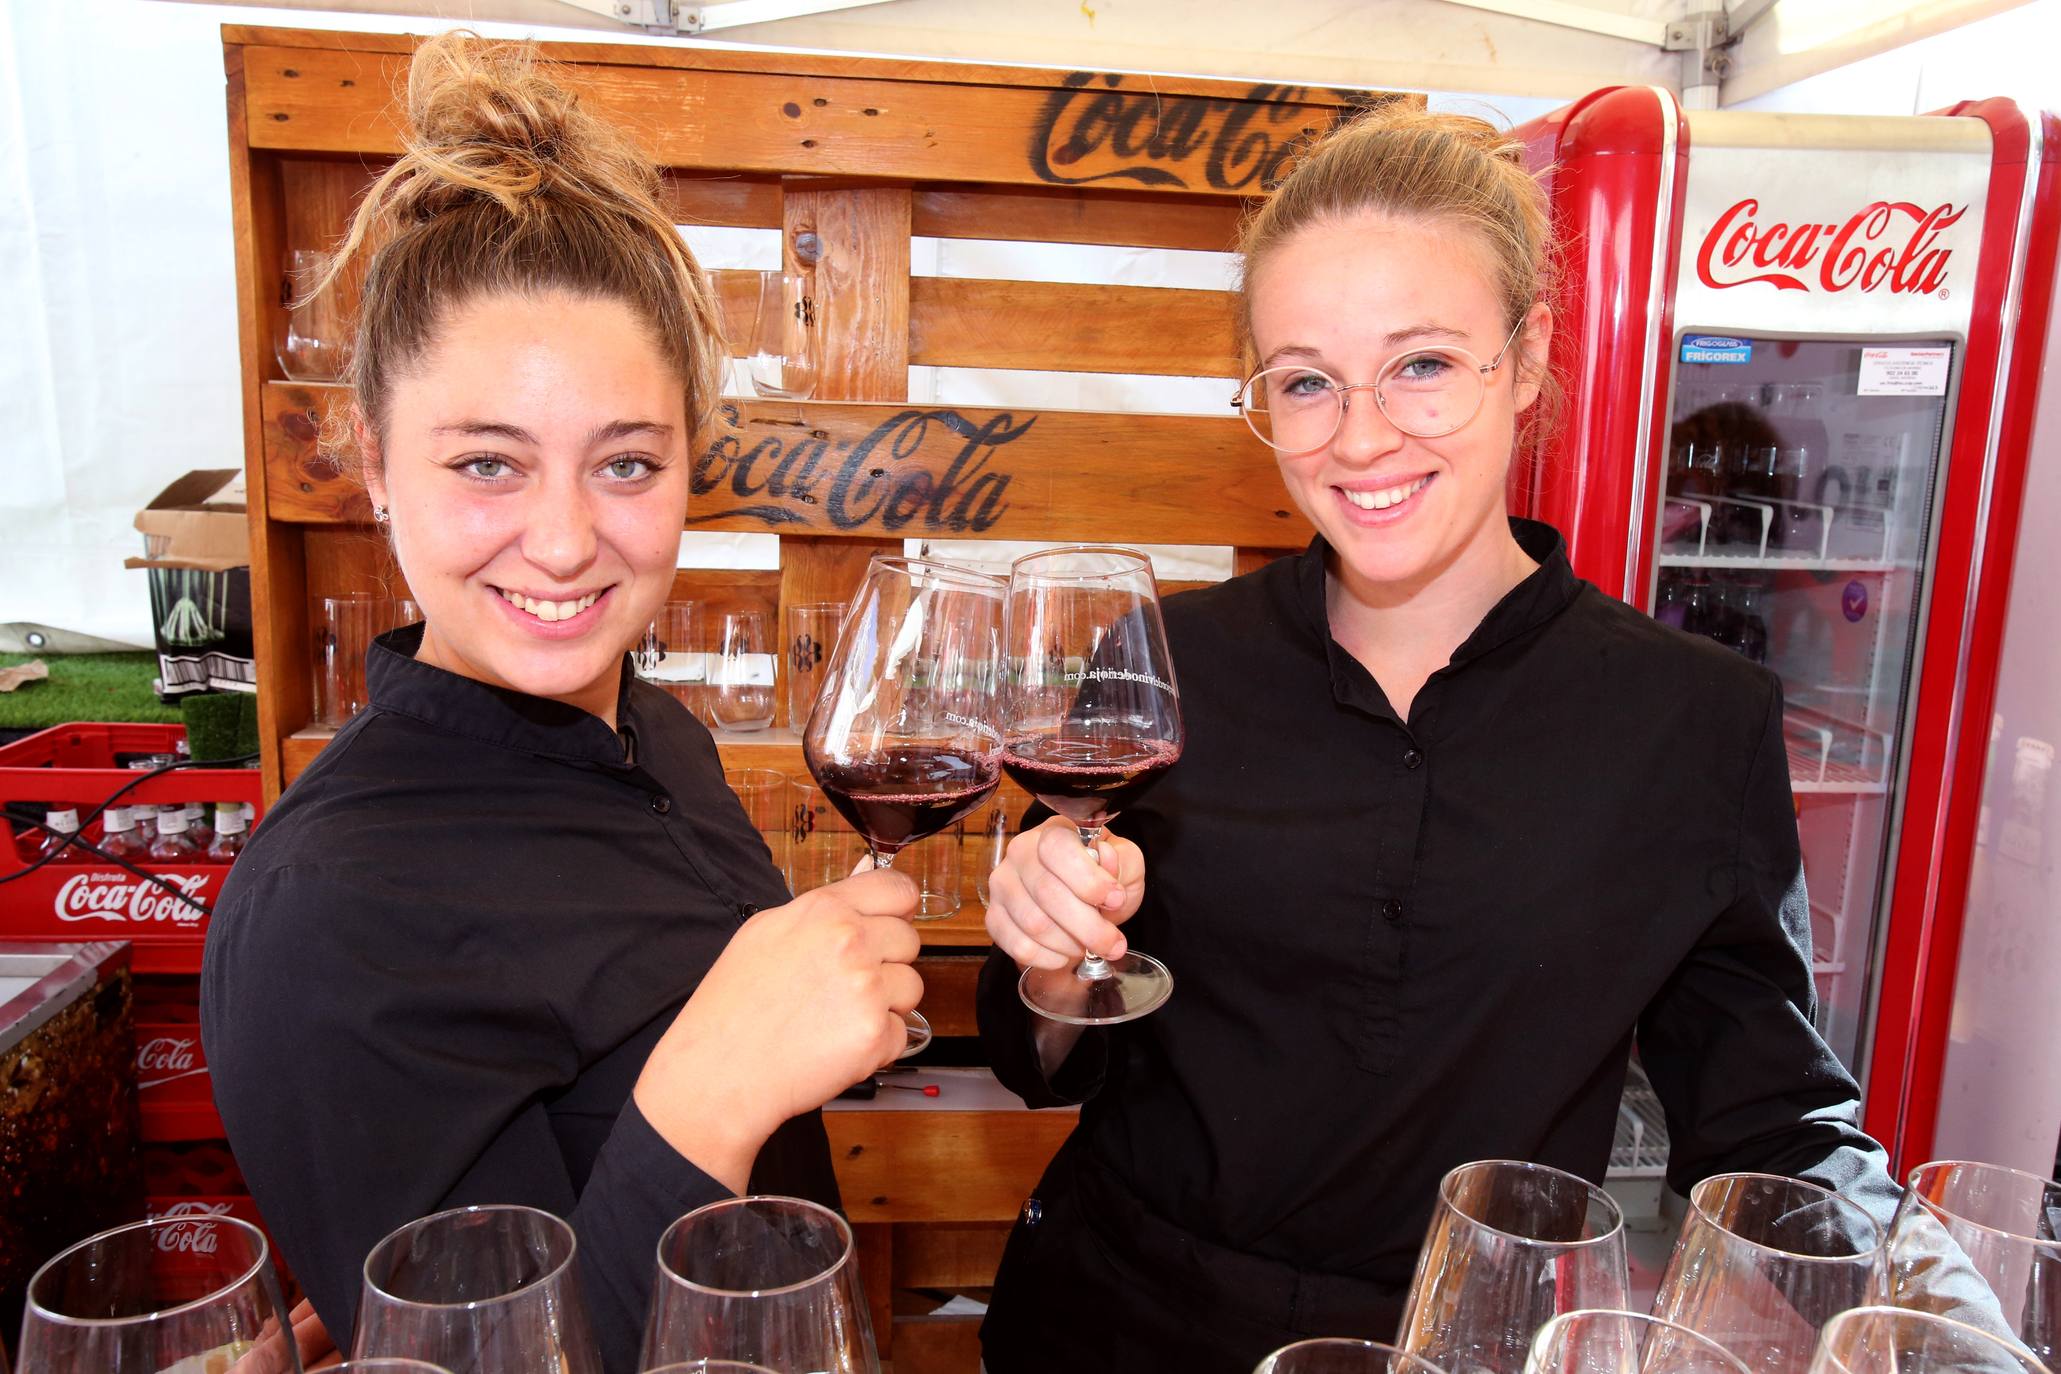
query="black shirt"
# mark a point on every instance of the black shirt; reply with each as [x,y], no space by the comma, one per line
[435,974]
[1401,946]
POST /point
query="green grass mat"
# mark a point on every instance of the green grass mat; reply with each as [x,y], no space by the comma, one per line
[84,687]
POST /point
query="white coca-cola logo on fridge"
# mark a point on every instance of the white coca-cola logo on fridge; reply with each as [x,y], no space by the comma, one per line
[165,1059]
[90,897]
[1890,245]
[193,1230]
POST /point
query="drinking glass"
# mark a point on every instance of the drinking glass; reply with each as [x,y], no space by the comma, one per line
[709,1367]
[379,1365]
[1896,1340]
[178,1292]
[310,342]
[763,793]
[2005,1223]
[343,632]
[902,737]
[811,629]
[771,1281]
[670,656]
[994,843]
[782,364]
[1511,1246]
[1338,1355]
[479,1290]
[1764,1262]
[823,847]
[1092,718]
[1608,1342]
[740,676]
[936,865]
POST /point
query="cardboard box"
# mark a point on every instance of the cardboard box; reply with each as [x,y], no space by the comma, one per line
[196,543]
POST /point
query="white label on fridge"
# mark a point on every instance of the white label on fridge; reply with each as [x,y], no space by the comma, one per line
[1904,371]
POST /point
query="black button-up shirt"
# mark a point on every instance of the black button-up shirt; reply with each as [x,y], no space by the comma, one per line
[1402,945]
[434,976]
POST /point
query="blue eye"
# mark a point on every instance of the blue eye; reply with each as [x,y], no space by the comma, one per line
[629,469]
[485,468]
[1423,367]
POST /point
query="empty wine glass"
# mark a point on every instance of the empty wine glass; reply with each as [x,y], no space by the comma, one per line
[479,1290]
[1511,1246]
[1339,1355]
[782,364]
[1764,1262]
[771,1281]
[178,1292]
[1610,1342]
[2004,1223]
[1091,719]
[740,675]
[902,738]
[1896,1340]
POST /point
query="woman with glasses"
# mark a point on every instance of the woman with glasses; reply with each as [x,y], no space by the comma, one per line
[1451,827]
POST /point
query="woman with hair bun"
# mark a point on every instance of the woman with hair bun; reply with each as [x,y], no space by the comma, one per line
[510,938]
[1452,827]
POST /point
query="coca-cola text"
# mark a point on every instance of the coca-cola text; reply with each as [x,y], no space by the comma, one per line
[97,897]
[1891,245]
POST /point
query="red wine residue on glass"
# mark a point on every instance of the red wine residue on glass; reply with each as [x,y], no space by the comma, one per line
[899,796]
[1087,780]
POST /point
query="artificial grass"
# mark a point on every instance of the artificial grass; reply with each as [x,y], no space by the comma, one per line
[84,687]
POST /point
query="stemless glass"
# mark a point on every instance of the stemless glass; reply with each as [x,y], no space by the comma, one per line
[178,1292]
[345,626]
[811,628]
[740,676]
[771,1281]
[823,845]
[2005,1222]
[479,1290]
[1511,1245]
[1896,1340]
[1339,1355]
[902,738]
[937,866]
[1092,718]
[764,794]
[1606,1342]
[671,656]
[1764,1262]
[782,364]
[313,328]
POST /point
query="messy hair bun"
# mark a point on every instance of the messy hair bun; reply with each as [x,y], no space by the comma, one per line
[507,184]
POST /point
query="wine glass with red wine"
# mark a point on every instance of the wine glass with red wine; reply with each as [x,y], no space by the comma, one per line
[1091,718]
[902,739]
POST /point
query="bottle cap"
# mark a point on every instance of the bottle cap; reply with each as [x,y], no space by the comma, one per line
[66,821]
[229,819]
[172,821]
[117,819]
[196,811]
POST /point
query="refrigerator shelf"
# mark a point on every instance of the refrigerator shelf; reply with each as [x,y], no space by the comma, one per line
[1744,562]
[1639,1148]
[1813,769]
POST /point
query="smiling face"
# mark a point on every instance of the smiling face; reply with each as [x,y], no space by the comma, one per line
[1346,296]
[535,468]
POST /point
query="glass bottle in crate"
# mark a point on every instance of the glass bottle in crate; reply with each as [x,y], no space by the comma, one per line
[172,844]
[120,838]
[58,823]
[228,840]
[198,829]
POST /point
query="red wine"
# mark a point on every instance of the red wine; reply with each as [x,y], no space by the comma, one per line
[1087,780]
[899,796]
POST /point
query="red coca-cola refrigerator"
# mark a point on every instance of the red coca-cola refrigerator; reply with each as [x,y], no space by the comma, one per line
[1801,354]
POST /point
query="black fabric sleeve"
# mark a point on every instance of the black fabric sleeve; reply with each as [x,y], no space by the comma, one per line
[375,1061]
[1008,1029]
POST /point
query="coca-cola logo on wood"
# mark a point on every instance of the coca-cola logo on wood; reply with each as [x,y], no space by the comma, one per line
[867,482]
[1891,245]
[1101,127]
[93,897]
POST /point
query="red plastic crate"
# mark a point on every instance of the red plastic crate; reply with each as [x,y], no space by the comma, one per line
[173,1086]
[82,764]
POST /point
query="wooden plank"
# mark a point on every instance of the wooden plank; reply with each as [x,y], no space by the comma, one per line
[875,1244]
[948,1255]
[689,57]
[1047,214]
[874,471]
[942,1166]
[736,202]
[1126,132]
[950,985]
[1070,327]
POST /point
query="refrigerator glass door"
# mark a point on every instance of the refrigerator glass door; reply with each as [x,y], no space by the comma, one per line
[1795,528]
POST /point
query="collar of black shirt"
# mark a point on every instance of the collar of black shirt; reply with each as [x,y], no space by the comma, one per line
[1528,605]
[476,710]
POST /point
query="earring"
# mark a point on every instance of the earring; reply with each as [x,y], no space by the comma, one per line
[380,517]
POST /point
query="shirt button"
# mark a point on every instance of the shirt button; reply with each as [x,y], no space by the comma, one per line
[1413,758]
[1392,909]
[1033,1212]
[661,803]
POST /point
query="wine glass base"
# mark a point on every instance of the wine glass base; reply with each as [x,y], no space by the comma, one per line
[918,1029]
[1136,985]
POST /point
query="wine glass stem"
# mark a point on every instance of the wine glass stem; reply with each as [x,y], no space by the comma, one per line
[881,860]
[1094,968]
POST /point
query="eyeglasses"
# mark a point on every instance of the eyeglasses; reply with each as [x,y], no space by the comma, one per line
[1424,392]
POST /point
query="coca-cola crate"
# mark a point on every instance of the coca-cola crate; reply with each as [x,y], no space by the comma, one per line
[199,1182]
[81,765]
[173,1087]
[200,1168]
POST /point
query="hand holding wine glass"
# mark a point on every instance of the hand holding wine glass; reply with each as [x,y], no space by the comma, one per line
[1091,720]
